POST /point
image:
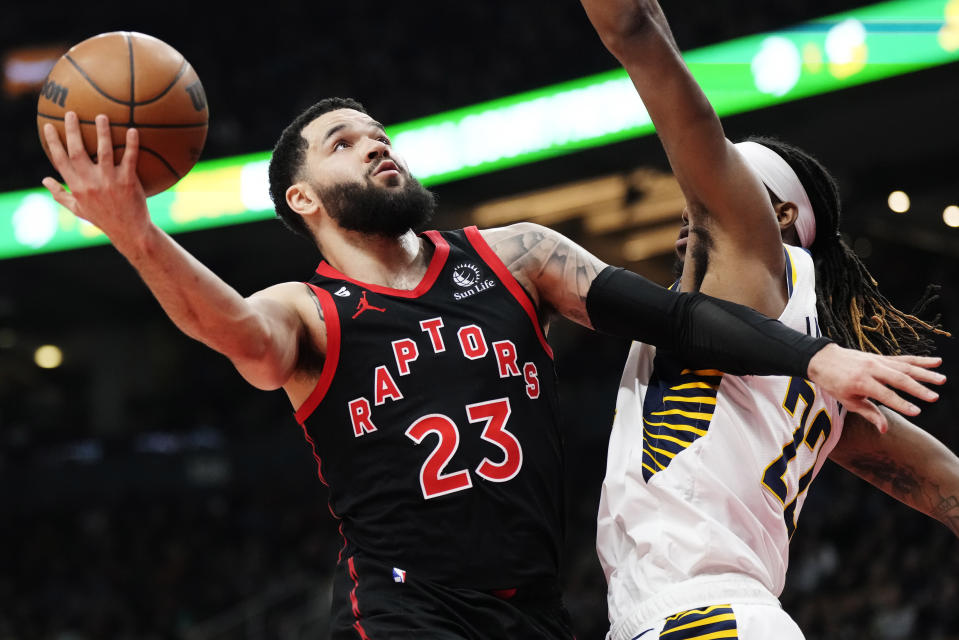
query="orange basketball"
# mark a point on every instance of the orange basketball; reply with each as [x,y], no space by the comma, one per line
[137,81]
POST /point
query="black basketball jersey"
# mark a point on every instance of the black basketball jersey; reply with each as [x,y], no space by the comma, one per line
[434,422]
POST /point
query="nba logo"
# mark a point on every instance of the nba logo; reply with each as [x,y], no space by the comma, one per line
[399,575]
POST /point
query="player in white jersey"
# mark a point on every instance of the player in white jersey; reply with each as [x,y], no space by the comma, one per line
[705,480]
[707,473]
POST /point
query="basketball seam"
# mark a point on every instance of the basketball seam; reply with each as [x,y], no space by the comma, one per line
[92,83]
[163,160]
[133,76]
[179,74]
[135,125]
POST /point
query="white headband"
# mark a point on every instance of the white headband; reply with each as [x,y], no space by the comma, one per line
[780,178]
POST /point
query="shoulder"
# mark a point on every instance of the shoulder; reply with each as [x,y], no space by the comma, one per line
[552,267]
[284,291]
[523,245]
[521,249]
[518,230]
[289,295]
[539,251]
[295,300]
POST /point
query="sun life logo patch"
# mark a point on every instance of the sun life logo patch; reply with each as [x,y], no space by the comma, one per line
[466,275]
[469,279]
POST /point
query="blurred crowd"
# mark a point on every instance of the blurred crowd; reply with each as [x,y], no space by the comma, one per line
[157,568]
[864,566]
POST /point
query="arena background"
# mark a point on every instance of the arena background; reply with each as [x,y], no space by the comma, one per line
[148,492]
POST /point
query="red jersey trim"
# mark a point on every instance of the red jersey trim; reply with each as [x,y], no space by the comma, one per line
[332,320]
[319,474]
[355,602]
[503,273]
[322,386]
[442,250]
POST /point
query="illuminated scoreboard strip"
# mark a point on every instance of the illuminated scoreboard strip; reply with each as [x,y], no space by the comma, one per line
[856,47]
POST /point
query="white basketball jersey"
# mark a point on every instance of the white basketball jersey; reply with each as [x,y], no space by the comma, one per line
[707,473]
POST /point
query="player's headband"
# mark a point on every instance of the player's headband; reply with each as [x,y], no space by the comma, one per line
[780,178]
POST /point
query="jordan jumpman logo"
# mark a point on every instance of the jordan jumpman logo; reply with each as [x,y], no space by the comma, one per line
[363,305]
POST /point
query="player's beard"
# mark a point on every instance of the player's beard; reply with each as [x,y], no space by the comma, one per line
[678,263]
[368,208]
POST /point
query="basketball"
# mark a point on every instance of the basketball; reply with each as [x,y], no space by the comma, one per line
[137,81]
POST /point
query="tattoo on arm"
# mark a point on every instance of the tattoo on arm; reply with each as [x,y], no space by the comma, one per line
[309,361]
[316,302]
[908,485]
[899,480]
[947,510]
[561,270]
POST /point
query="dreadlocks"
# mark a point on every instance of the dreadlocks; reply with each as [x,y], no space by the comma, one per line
[852,310]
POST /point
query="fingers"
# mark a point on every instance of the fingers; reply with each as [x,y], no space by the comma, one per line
[919,361]
[60,194]
[58,154]
[918,373]
[905,382]
[104,144]
[69,156]
[917,367]
[870,412]
[128,165]
[882,378]
[75,149]
[881,393]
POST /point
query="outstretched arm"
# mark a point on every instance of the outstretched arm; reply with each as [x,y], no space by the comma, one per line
[906,462]
[259,334]
[700,328]
[721,191]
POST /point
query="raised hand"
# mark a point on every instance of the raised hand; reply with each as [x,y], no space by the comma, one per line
[107,195]
[856,378]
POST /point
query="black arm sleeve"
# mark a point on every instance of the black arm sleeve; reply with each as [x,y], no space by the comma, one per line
[704,331]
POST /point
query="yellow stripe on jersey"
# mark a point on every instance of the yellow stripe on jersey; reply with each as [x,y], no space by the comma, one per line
[668,454]
[702,372]
[677,427]
[695,415]
[723,633]
[791,271]
[699,399]
[699,623]
[677,409]
[702,611]
[656,462]
[660,436]
[695,385]
[717,621]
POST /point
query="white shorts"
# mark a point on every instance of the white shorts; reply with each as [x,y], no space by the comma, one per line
[744,621]
[706,606]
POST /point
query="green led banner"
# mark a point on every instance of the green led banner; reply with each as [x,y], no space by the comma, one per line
[844,50]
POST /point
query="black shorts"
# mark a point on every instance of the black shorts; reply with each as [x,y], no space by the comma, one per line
[370,604]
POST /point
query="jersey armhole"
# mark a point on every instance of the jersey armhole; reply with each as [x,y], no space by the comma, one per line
[800,276]
[790,273]
[512,285]
[332,320]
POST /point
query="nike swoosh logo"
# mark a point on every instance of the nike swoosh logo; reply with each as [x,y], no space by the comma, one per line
[642,634]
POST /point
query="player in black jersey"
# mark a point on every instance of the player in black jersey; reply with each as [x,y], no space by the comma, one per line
[418,367]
